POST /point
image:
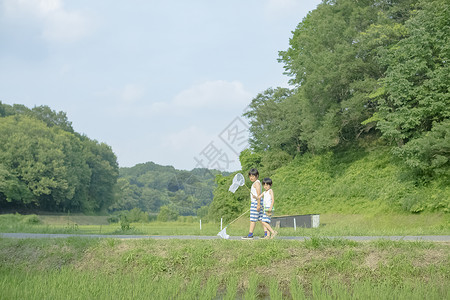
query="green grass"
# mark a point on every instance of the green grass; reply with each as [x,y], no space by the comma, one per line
[85,268]
[331,225]
[356,181]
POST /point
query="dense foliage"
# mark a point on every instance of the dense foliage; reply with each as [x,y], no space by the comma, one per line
[152,187]
[44,164]
[371,70]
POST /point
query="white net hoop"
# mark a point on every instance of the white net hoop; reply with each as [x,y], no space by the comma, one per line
[238,180]
[223,234]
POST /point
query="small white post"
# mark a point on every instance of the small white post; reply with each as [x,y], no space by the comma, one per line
[295,225]
[221,223]
[200,224]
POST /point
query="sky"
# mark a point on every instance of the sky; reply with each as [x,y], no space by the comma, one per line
[165,81]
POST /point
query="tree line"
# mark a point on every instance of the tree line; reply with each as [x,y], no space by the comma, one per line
[358,69]
[153,188]
[46,165]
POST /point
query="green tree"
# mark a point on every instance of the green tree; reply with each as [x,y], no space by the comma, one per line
[275,117]
[44,164]
[12,190]
[104,172]
[51,117]
[167,213]
[414,100]
[335,69]
[126,196]
[429,154]
[226,204]
[41,158]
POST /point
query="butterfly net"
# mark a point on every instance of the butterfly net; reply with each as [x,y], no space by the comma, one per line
[223,234]
[238,181]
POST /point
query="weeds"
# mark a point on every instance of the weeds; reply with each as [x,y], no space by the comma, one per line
[323,242]
[178,269]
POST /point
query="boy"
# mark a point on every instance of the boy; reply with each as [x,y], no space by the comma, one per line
[269,201]
[255,206]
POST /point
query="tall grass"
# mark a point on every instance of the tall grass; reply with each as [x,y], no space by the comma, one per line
[81,268]
[70,284]
[356,181]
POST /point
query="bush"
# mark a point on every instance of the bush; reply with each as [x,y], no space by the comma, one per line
[167,213]
[124,223]
[202,212]
[31,219]
[137,215]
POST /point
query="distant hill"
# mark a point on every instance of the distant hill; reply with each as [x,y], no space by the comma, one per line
[149,186]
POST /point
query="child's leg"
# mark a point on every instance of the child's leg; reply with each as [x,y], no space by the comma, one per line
[250,231]
[252,226]
[273,232]
[266,233]
[269,228]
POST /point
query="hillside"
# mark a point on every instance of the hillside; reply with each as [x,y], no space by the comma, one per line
[365,180]
[355,181]
[149,186]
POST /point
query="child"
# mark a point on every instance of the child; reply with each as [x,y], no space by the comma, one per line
[255,206]
[268,203]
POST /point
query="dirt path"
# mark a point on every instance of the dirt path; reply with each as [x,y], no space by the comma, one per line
[428,238]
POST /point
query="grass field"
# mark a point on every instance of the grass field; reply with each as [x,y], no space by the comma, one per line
[330,225]
[319,268]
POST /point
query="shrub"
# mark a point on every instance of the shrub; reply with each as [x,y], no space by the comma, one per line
[31,219]
[124,223]
[167,213]
[137,215]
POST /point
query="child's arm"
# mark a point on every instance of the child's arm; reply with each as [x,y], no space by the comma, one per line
[273,200]
[259,195]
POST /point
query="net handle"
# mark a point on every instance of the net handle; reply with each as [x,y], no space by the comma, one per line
[237,218]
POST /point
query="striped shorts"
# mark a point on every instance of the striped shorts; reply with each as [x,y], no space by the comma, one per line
[255,215]
[266,218]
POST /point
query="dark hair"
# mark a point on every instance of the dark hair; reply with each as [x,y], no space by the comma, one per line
[267,181]
[253,172]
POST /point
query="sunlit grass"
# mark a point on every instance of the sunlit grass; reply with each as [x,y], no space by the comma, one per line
[330,225]
[320,268]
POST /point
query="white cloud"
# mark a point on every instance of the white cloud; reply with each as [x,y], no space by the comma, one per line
[55,23]
[207,97]
[187,139]
[219,95]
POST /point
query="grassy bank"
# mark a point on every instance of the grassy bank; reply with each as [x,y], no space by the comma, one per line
[81,268]
[356,181]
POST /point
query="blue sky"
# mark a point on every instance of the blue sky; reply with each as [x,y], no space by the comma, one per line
[162,81]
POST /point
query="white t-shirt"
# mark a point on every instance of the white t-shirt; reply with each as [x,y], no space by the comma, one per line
[267,199]
[254,192]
